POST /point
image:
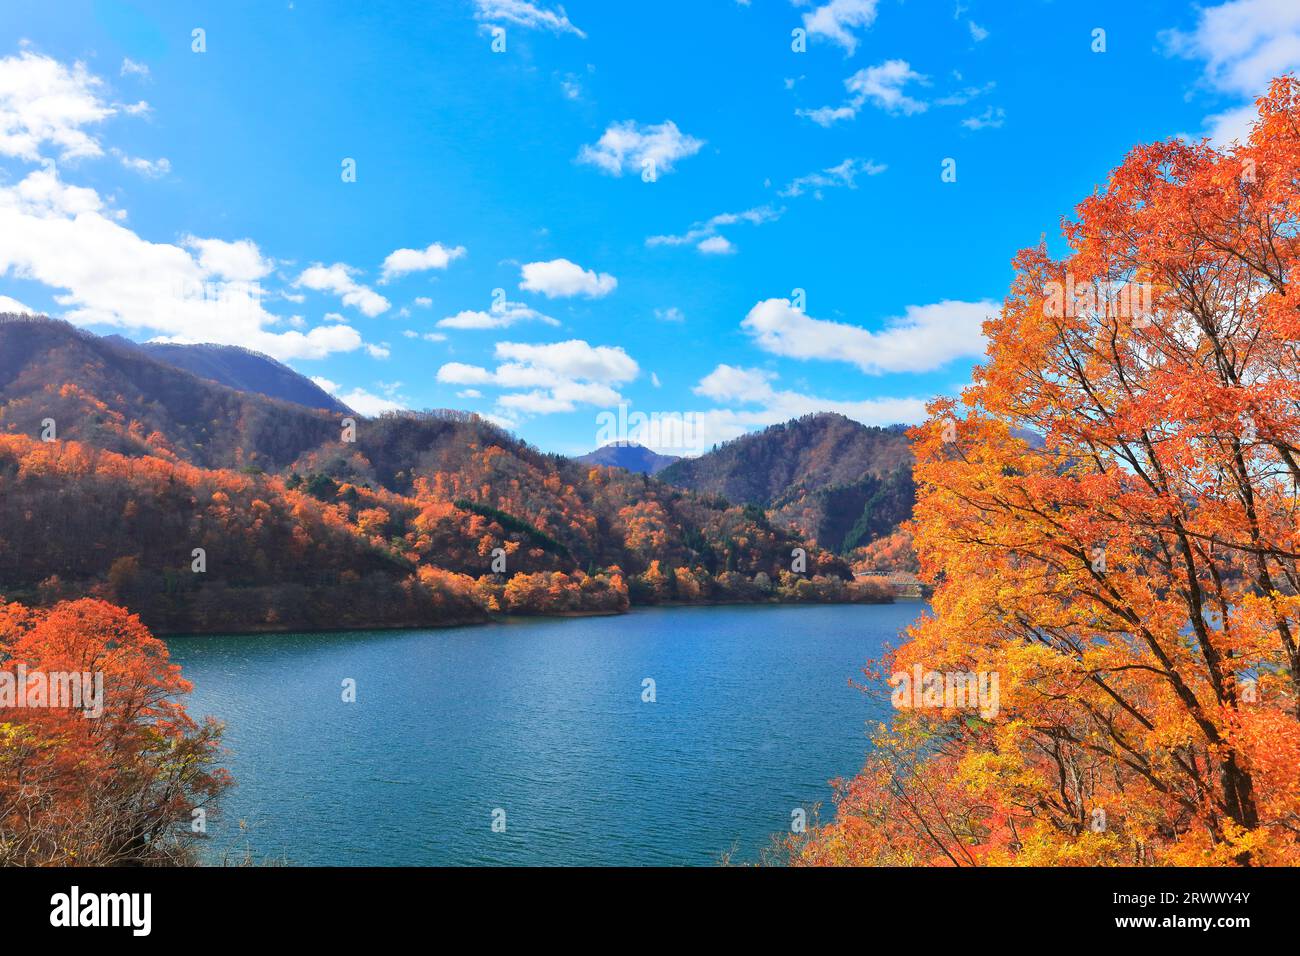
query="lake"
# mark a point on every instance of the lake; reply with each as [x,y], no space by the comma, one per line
[540,724]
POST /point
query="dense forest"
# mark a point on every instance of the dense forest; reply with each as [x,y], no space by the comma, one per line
[825,477]
[203,508]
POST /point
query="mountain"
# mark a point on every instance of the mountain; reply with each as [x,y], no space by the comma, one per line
[204,508]
[113,395]
[825,476]
[241,369]
[629,455]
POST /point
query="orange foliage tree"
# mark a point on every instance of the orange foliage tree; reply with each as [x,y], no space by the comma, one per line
[112,785]
[1130,574]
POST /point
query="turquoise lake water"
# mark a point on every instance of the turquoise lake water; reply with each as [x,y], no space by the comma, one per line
[544,720]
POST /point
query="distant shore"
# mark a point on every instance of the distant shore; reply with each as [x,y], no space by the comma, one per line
[505,618]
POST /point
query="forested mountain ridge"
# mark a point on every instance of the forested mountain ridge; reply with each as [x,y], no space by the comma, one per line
[117,397]
[304,521]
[241,369]
[826,476]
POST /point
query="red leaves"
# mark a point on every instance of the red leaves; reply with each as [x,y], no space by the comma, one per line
[107,770]
[1132,577]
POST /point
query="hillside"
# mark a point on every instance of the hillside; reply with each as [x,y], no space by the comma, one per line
[826,476]
[241,369]
[628,455]
[305,525]
[114,396]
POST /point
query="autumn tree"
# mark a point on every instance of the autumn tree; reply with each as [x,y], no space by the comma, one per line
[1110,517]
[115,785]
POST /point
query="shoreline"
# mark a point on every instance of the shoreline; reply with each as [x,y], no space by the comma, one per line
[508,618]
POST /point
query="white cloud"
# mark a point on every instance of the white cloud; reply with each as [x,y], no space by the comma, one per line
[670,314]
[926,337]
[423,301]
[44,102]
[1231,125]
[755,402]
[706,235]
[977,32]
[368,404]
[701,231]
[522,13]
[359,400]
[403,261]
[562,398]
[844,174]
[729,383]
[716,246]
[63,237]
[338,279]
[882,85]
[1244,44]
[536,402]
[239,261]
[427,336]
[458,373]
[151,168]
[991,118]
[714,426]
[13,305]
[43,194]
[571,87]
[561,278]
[67,238]
[628,147]
[830,115]
[557,377]
[318,343]
[837,20]
[964,95]
[500,316]
[573,359]
[131,68]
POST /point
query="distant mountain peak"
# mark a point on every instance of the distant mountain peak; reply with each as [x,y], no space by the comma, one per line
[628,455]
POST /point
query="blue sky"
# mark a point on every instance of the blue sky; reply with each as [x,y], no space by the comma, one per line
[615,209]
